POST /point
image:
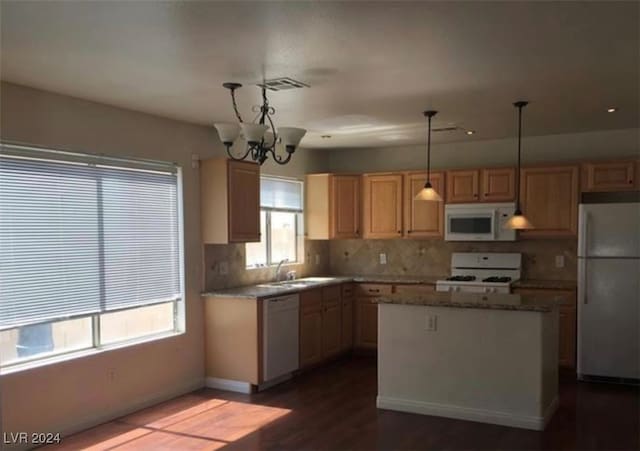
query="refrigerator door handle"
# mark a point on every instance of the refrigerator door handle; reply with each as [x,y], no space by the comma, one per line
[585,257]
[582,279]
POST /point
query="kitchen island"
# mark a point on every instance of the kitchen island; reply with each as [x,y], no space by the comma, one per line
[487,358]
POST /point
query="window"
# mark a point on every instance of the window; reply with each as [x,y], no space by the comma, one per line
[90,252]
[280,224]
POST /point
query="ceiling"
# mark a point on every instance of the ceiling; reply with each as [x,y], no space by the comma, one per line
[372,67]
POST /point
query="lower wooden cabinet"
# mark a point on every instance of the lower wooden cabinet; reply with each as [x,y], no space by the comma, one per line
[347,317]
[331,321]
[567,323]
[310,327]
[366,324]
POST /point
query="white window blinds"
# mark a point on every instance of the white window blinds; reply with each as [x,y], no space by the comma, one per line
[280,193]
[82,237]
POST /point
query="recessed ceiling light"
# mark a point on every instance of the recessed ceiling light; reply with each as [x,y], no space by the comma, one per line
[612,110]
[470,132]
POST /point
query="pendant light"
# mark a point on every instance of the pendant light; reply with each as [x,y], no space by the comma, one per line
[428,193]
[518,221]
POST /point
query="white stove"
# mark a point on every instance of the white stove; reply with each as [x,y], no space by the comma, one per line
[475,272]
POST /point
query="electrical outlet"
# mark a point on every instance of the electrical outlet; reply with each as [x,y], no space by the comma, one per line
[431,323]
[317,259]
[223,268]
[195,160]
[383,258]
[559,261]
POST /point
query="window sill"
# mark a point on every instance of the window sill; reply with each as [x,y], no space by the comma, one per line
[274,266]
[73,355]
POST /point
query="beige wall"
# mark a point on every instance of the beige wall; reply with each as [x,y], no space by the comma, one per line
[500,152]
[80,392]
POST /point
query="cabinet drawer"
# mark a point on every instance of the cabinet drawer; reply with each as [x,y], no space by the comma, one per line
[311,300]
[414,289]
[568,297]
[331,294]
[348,290]
[373,289]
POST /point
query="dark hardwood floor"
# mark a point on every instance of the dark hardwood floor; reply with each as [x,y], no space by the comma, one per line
[333,407]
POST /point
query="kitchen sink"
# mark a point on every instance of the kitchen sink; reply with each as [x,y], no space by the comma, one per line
[298,283]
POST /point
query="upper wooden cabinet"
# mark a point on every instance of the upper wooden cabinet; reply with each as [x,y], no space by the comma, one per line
[229,201]
[382,212]
[423,219]
[463,186]
[498,185]
[332,206]
[550,200]
[481,185]
[609,176]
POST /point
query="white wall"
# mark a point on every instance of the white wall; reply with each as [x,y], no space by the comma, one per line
[500,152]
[77,393]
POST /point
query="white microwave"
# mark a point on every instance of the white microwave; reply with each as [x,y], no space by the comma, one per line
[478,222]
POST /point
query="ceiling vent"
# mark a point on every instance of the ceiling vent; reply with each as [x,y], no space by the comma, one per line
[282,84]
[452,128]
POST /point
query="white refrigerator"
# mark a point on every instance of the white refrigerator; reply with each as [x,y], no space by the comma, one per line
[609,291]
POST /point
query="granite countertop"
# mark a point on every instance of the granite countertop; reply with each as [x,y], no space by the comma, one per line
[412,280]
[519,302]
[269,289]
[546,284]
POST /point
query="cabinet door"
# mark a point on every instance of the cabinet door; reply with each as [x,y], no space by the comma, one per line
[310,327]
[345,206]
[567,337]
[608,176]
[243,180]
[347,323]
[382,206]
[331,329]
[550,200]
[366,324]
[498,185]
[423,219]
[462,186]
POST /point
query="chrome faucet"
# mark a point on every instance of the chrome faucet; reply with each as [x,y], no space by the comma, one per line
[278,268]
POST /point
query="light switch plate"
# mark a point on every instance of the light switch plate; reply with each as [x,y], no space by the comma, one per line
[383,259]
[431,323]
[559,261]
[317,259]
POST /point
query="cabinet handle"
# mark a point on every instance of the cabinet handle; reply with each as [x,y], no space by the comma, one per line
[630,181]
[374,291]
[409,231]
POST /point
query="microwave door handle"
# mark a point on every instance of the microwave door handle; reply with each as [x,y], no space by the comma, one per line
[494,224]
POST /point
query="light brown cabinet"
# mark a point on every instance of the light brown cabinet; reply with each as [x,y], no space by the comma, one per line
[347,316]
[382,212]
[367,314]
[498,185]
[423,219]
[609,176]
[331,321]
[310,327]
[549,198]
[481,185]
[463,186]
[566,322]
[332,206]
[229,201]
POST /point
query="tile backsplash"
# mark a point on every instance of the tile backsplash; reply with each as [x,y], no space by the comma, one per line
[433,257]
[233,255]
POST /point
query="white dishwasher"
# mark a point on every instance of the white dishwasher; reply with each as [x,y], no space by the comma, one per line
[280,338]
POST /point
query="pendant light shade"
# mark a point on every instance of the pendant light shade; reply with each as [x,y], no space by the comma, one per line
[518,221]
[428,193]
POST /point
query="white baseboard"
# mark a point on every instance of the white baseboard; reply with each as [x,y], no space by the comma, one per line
[228,385]
[467,413]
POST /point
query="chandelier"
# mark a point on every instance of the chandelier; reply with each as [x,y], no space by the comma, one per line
[259,142]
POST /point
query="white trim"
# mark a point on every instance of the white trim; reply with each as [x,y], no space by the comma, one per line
[228,385]
[467,413]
